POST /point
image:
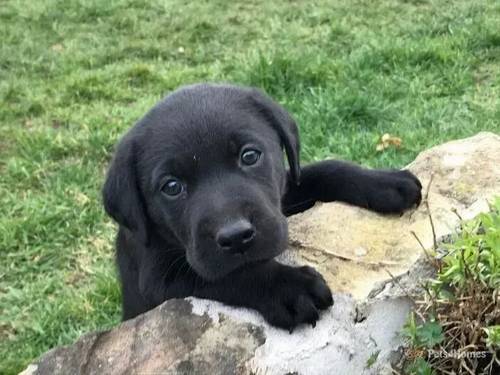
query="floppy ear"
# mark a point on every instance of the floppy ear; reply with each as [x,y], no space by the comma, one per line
[284,125]
[122,198]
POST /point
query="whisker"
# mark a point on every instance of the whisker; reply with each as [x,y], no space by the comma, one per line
[173,263]
[179,270]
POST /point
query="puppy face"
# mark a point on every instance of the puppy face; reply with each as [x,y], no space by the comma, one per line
[204,169]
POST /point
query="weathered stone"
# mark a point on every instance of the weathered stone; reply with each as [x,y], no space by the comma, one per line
[342,342]
[355,249]
[370,261]
[167,340]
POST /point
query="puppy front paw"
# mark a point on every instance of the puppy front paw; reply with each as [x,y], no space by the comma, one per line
[296,296]
[394,191]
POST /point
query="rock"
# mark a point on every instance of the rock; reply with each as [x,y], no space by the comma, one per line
[168,339]
[331,236]
[370,261]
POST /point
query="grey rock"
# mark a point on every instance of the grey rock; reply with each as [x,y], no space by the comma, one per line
[167,340]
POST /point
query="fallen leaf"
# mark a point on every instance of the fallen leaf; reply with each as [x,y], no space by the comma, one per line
[58,47]
[387,141]
[81,198]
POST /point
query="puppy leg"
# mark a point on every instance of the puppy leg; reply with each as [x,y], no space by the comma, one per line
[285,296]
[385,191]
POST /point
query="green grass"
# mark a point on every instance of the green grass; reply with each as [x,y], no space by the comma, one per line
[75,74]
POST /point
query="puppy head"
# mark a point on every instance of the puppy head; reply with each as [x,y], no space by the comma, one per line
[204,170]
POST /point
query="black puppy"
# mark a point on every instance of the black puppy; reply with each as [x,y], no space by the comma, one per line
[200,191]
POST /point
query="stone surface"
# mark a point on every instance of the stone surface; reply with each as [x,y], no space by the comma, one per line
[344,338]
[167,340]
[356,251]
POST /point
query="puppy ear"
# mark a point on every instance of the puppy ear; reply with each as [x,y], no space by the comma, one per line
[284,125]
[122,198]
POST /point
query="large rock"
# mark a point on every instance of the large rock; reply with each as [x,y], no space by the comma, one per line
[355,249]
[169,339]
[370,261]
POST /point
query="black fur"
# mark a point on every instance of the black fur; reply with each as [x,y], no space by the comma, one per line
[218,236]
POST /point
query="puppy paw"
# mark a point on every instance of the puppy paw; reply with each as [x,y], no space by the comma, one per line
[394,191]
[297,296]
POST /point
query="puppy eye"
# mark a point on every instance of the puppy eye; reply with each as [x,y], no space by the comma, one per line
[172,187]
[250,156]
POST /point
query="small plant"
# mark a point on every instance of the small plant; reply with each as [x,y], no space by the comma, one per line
[425,335]
[475,253]
[420,367]
[493,336]
[372,359]
[455,328]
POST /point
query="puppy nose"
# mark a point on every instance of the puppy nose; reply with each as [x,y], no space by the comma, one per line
[236,236]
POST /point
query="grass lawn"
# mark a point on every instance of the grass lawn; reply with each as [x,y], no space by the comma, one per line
[75,74]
